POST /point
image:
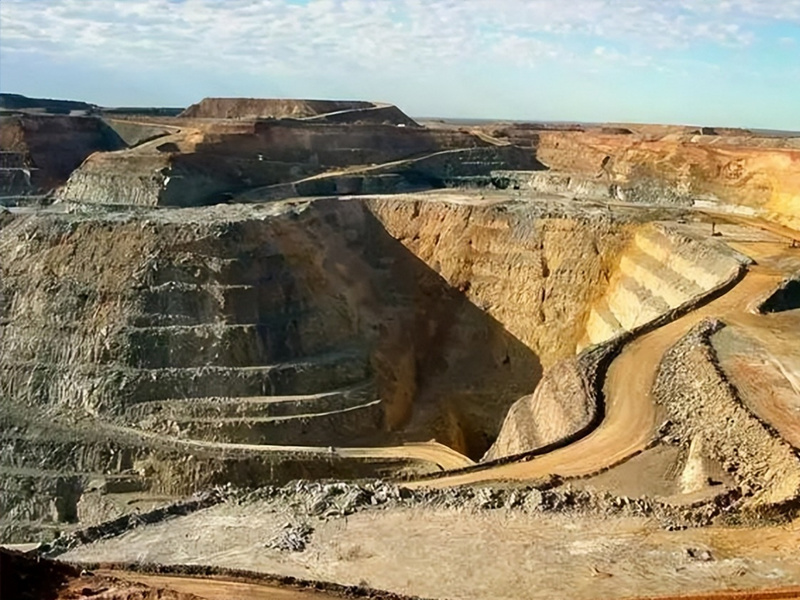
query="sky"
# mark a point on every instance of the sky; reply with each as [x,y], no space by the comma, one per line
[702,62]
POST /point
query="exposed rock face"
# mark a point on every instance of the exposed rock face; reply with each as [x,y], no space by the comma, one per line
[660,270]
[134,133]
[323,323]
[275,301]
[702,404]
[211,167]
[50,148]
[513,263]
[563,405]
[745,174]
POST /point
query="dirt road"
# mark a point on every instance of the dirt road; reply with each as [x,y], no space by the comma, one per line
[630,419]
[446,458]
[216,589]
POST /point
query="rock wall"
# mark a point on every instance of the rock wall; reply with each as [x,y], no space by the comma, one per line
[454,309]
[134,133]
[212,167]
[512,261]
[732,173]
[658,271]
[702,405]
[564,406]
[56,146]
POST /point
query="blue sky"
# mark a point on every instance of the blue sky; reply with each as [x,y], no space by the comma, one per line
[714,62]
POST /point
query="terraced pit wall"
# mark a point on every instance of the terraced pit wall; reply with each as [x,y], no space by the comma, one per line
[452,310]
[747,175]
[216,166]
[659,271]
[54,146]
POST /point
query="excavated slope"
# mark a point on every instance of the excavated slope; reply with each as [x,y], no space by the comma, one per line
[742,174]
[158,310]
[208,345]
[50,148]
[658,272]
[208,167]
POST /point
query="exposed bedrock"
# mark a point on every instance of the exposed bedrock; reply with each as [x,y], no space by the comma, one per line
[212,167]
[658,272]
[56,476]
[134,133]
[227,322]
[735,174]
[565,405]
[462,167]
[50,148]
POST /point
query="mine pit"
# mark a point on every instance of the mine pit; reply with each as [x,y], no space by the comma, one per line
[241,326]
[333,319]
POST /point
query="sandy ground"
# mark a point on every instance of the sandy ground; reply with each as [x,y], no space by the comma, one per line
[215,589]
[474,555]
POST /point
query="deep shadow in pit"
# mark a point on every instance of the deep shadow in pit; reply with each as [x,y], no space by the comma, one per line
[446,369]
[786,297]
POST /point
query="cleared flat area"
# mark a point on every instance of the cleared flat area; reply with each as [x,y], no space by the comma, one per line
[498,554]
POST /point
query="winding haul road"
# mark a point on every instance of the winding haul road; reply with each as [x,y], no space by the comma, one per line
[630,419]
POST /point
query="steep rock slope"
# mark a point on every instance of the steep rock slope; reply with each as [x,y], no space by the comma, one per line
[239,323]
[746,174]
[660,270]
[211,166]
[52,147]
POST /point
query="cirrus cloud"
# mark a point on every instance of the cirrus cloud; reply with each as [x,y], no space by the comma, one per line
[372,34]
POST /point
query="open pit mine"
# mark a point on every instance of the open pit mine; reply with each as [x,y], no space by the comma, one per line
[309,349]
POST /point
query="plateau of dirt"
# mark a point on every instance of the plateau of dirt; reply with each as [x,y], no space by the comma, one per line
[263,346]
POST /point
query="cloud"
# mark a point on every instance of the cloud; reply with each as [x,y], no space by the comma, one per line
[282,36]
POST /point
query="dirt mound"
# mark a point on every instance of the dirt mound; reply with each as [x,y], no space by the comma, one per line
[698,398]
[263,108]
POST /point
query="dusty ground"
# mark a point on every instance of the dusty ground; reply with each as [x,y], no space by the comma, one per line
[25,577]
[447,553]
